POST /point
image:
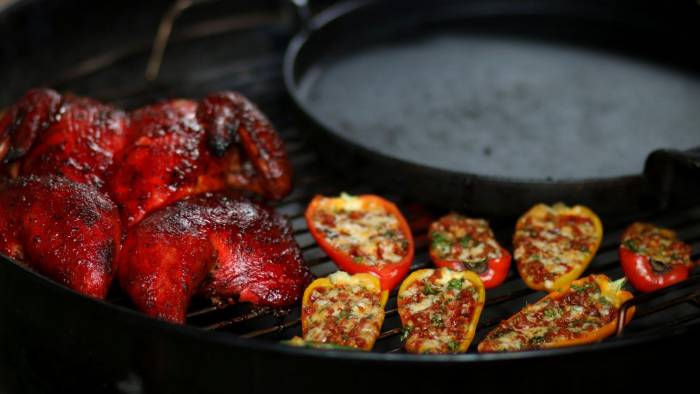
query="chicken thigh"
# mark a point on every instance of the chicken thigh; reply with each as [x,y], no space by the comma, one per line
[217,245]
[65,230]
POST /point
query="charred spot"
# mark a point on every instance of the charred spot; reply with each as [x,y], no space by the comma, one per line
[105,254]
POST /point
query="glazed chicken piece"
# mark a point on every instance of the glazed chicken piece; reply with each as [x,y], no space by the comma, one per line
[217,245]
[184,148]
[47,134]
[67,231]
[153,157]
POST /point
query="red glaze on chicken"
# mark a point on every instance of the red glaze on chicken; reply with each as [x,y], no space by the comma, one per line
[67,231]
[184,148]
[231,120]
[74,137]
[26,119]
[217,245]
[162,164]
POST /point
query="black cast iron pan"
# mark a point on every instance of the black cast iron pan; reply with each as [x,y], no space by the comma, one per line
[493,106]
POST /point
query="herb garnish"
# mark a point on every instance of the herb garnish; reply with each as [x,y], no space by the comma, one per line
[437,321]
[344,314]
[405,332]
[429,289]
[631,245]
[551,313]
[466,240]
[581,288]
[455,284]
[453,346]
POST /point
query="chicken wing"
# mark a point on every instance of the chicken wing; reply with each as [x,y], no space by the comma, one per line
[184,148]
[78,138]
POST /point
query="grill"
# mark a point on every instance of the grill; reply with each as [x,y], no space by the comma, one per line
[246,50]
[259,78]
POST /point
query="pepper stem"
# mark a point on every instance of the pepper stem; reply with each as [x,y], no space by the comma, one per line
[618,284]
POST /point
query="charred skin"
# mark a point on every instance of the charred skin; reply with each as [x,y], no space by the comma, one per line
[184,148]
[217,245]
[67,231]
[81,143]
[155,156]
[162,164]
[229,118]
[25,120]
[77,138]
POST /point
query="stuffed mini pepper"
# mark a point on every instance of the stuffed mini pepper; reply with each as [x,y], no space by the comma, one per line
[554,244]
[363,234]
[439,310]
[585,312]
[653,258]
[463,243]
[342,312]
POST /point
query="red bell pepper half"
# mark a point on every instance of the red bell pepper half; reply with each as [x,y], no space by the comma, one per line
[363,233]
[653,258]
[462,243]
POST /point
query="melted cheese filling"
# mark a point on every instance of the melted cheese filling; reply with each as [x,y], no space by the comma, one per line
[458,238]
[657,243]
[550,246]
[436,312]
[347,314]
[367,232]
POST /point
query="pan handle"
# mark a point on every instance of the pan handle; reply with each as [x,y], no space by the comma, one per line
[302,14]
[673,176]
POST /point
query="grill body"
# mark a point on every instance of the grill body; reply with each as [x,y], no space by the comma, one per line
[54,340]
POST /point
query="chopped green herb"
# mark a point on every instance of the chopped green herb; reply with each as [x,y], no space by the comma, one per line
[535,257]
[437,321]
[453,346]
[581,288]
[441,244]
[358,259]
[429,289]
[439,237]
[390,234]
[551,313]
[455,284]
[631,245]
[405,332]
[537,340]
[344,314]
[466,240]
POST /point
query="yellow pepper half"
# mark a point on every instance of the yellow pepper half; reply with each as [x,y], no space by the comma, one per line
[562,281]
[341,279]
[612,291]
[406,314]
